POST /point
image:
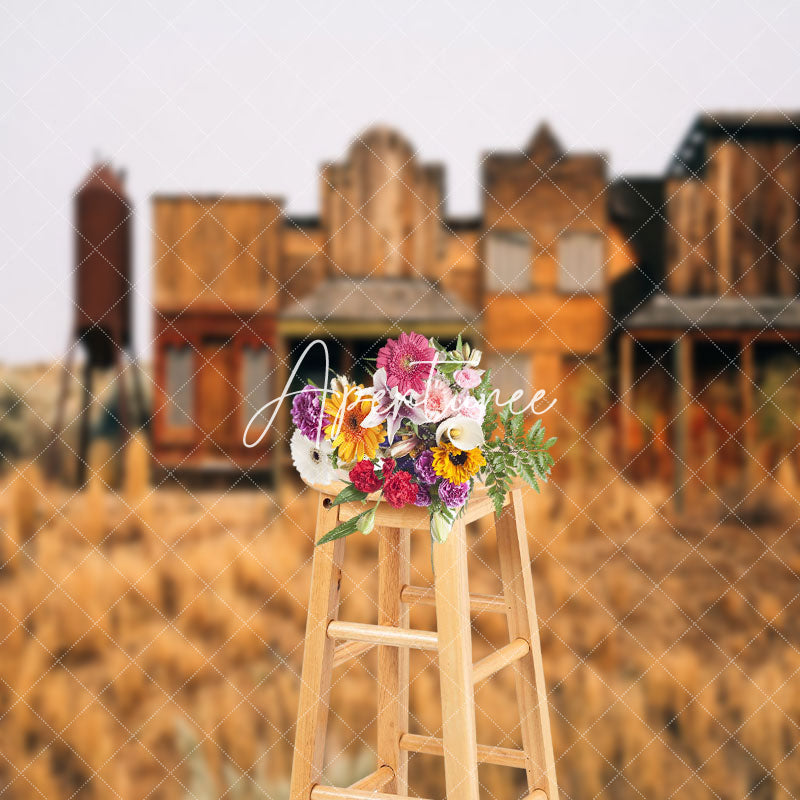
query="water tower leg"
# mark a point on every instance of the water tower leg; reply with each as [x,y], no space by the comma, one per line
[54,451]
[122,399]
[83,432]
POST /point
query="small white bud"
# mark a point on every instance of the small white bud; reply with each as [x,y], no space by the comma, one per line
[366,522]
[440,528]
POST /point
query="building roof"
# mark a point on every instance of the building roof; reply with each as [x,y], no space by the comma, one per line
[401,300]
[691,158]
[544,144]
[101,177]
[731,121]
[217,198]
[737,313]
[300,221]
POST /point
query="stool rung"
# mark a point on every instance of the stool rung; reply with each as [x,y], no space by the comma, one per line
[487,753]
[536,794]
[375,781]
[332,793]
[382,635]
[502,657]
[477,602]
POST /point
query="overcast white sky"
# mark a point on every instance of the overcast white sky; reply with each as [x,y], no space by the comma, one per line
[252,96]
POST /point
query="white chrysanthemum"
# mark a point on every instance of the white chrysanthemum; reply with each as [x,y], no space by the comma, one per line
[312,462]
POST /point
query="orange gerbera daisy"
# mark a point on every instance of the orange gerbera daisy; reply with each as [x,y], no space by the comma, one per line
[347,410]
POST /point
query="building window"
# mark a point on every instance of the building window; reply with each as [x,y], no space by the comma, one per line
[256,378]
[508,261]
[580,258]
[179,385]
[510,373]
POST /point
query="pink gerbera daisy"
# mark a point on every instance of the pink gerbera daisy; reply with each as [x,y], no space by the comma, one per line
[408,361]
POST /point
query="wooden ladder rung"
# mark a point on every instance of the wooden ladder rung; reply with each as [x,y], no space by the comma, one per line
[487,753]
[382,635]
[477,602]
[501,657]
[332,793]
[348,651]
[375,781]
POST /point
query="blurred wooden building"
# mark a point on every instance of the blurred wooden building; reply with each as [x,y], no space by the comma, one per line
[565,271]
[545,244]
[722,300]
[216,297]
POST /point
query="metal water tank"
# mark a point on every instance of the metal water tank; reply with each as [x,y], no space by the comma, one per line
[103,286]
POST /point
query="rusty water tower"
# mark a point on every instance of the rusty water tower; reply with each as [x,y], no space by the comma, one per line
[103,266]
[103,287]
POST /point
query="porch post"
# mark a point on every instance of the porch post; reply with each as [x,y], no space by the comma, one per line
[626,420]
[684,370]
[747,389]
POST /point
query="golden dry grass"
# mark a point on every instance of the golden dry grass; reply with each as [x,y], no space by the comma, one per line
[152,645]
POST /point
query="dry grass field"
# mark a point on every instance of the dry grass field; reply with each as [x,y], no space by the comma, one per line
[152,640]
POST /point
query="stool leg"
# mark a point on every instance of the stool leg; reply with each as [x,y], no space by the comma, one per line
[315,683]
[393,574]
[455,666]
[515,571]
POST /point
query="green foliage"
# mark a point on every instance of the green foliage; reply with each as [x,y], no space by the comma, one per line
[348,495]
[358,523]
[345,528]
[510,452]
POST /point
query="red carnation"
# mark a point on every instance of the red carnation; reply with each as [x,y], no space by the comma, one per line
[388,467]
[364,478]
[399,490]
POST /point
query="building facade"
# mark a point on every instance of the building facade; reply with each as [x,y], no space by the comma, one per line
[564,269]
[725,302]
[217,267]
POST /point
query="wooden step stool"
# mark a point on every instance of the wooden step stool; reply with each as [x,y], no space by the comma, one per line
[453,641]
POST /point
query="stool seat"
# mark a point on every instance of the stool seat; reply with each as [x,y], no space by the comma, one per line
[330,642]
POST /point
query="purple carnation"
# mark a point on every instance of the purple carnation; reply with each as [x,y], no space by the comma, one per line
[406,463]
[306,412]
[454,495]
[423,466]
[423,497]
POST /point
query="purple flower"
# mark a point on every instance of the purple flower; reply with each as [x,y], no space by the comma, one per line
[306,412]
[406,463]
[423,497]
[423,466]
[453,495]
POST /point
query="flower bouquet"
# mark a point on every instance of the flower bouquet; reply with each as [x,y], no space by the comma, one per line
[424,434]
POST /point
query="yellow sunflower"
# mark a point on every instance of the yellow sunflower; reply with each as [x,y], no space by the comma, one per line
[457,466]
[345,431]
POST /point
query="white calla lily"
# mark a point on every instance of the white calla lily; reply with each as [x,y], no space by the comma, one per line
[463,432]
